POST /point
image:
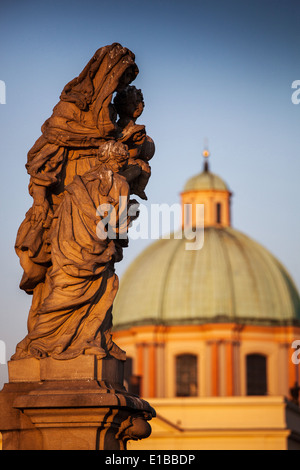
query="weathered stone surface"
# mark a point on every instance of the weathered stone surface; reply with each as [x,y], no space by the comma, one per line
[71,415]
[76,404]
[80,368]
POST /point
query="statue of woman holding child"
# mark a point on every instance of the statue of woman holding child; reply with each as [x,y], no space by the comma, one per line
[91,154]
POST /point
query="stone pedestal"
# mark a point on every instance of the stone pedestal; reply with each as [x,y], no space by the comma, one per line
[77,404]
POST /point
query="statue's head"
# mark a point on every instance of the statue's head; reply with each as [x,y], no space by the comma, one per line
[129,102]
[114,154]
[85,115]
[110,69]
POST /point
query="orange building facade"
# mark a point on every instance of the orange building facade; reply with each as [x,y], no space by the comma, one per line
[220,355]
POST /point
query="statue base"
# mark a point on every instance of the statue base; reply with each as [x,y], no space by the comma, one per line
[76,404]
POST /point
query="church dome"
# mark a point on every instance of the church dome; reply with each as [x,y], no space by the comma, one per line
[231,279]
[205,181]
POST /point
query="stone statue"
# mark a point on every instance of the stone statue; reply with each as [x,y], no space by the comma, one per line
[91,152]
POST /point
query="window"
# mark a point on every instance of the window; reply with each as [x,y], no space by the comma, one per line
[187,215]
[132,382]
[256,374]
[219,213]
[186,375]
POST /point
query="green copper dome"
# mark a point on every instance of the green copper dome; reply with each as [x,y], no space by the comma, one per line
[205,181]
[231,279]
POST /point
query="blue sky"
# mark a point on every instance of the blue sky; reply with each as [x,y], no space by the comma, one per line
[214,69]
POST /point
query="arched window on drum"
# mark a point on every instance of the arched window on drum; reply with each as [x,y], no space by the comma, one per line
[256,374]
[186,375]
[132,382]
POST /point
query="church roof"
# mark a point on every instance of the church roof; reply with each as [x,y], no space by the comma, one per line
[231,279]
[205,181]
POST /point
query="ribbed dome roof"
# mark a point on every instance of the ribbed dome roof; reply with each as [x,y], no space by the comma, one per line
[232,279]
[204,181]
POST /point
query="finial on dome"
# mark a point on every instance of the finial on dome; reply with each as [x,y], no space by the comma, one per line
[206,154]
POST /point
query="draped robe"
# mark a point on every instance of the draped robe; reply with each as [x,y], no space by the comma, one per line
[74,316]
[67,269]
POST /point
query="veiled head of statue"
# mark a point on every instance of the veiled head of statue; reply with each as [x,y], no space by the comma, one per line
[113,66]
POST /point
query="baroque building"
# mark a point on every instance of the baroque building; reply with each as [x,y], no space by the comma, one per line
[209,333]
